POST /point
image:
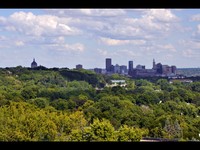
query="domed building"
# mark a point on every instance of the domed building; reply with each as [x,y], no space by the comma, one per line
[33,64]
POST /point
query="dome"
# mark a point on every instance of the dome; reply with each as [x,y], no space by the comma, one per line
[33,64]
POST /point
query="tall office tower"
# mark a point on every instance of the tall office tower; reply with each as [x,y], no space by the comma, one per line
[159,68]
[130,66]
[154,64]
[108,64]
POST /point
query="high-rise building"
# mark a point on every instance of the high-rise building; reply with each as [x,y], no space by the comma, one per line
[130,65]
[33,64]
[154,64]
[159,68]
[108,64]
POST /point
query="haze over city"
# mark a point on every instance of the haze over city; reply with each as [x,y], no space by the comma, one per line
[67,37]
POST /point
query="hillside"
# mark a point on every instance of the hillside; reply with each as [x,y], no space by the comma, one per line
[59,104]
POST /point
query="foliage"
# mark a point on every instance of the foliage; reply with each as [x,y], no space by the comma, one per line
[59,104]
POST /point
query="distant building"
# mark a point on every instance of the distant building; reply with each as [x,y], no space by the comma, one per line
[112,69]
[98,70]
[130,65]
[145,72]
[159,68]
[166,70]
[140,71]
[108,64]
[181,80]
[79,66]
[174,69]
[33,64]
[103,71]
[154,64]
[123,69]
[121,83]
[116,68]
[118,81]
[140,67]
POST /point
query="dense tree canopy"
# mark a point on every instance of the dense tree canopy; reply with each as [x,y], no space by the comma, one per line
[76,105]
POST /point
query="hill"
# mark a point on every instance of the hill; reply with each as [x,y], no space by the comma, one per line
[59,104]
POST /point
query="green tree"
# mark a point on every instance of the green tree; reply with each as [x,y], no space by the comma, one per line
[102,130]
[129,134]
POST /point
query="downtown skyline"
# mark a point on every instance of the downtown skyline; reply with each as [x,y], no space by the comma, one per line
[67,37]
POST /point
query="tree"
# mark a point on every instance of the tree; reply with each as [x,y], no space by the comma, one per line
[102,130]
[164,85]
[169,129]
[29,92]
[129,134]
[173,129]
[39,102]
[60,104]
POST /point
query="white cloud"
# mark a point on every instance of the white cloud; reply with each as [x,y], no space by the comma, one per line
[147,26]
[102,52]
[112,27]
[2,20]
[169,56]
[59,40]
[115,42]
[64,27]
[10,28]
[19,43]
[128,53]
[168,47]
[163,15]
[117,23]
[188,53]
[77,47]
[190,44]
[195,17]
[2,38]
[198,29]
[87,12]
[112,23]
[196,34]
[102,12]
[39,25]
[120,53]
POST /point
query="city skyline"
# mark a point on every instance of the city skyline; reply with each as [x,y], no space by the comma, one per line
[67,37]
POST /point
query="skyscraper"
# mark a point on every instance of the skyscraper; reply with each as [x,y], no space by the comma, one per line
[154,64]
[108,64]
[130,65]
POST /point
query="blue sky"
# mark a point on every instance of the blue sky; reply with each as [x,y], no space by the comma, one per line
[67,37]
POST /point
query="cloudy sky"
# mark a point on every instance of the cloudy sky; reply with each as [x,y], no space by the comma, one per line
[67,37]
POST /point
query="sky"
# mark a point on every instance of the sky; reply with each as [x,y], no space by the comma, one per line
[67,37]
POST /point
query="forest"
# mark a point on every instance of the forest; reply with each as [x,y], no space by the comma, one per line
[61,104]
